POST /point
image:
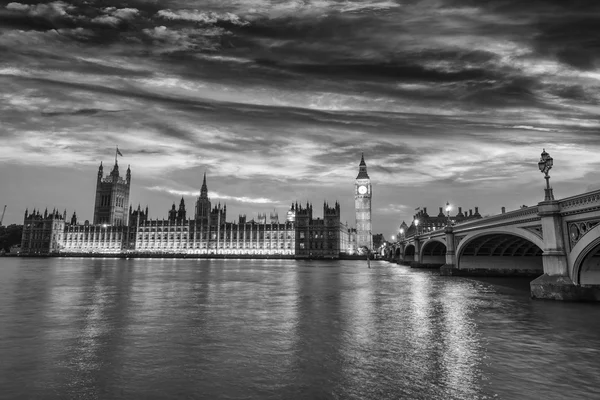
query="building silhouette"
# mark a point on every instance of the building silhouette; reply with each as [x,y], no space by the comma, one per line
[362,205]
[428,223]
[119,229]
[112,197]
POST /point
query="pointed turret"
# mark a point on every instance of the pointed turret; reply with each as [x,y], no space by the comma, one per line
[128,176]
[362,168]
[204,189]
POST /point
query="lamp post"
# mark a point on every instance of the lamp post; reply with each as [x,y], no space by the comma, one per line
[545,165]
[401,234]
[417,226]
[448,209]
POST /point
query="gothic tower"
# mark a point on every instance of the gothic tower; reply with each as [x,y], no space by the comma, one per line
[362,206]
[112,197]
[181,214]
[203,204]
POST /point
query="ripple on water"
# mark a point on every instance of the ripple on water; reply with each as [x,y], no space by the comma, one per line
[272,329]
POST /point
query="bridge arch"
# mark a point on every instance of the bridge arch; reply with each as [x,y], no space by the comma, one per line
[409,253]
[584,260]
[509,250]
[433,252]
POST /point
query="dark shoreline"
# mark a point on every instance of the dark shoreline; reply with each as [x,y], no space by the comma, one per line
[190,256]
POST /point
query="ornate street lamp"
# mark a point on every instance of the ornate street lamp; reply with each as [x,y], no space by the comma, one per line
[448,209]
[401,234]
[417,226]
[393,238]
[545,165]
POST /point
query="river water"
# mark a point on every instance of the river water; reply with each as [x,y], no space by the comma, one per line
[284,329]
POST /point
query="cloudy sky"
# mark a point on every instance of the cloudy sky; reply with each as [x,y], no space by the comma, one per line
[450,100]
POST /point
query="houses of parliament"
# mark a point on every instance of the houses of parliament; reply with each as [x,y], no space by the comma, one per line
[119,229]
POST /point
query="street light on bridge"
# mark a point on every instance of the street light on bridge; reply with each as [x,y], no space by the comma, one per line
[401,234]
[417,226]
[448,209]
[545,165]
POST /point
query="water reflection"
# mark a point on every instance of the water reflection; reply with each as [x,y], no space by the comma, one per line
[318,333]
[271,329]
[461,350]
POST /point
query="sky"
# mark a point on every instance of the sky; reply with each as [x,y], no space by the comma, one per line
[449,100]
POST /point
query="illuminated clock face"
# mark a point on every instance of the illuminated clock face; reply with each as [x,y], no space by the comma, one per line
[362,189]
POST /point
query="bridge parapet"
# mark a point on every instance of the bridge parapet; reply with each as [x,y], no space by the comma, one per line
[581,203]
[511,216]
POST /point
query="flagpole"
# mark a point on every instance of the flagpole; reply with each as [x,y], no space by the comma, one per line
[116,152]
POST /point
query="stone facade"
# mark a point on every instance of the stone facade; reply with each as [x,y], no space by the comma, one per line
[207,233]
[42,233]
[112,197]
[320,238]
[363,192]
[428,223]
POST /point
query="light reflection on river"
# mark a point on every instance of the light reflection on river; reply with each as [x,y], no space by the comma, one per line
[282,329]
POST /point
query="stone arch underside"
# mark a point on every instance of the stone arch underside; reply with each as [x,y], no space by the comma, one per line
[409,253]
[433,253]
[588,271]
[501,254]
[584,259]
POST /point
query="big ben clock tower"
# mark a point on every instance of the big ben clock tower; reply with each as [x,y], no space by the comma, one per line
[362,206]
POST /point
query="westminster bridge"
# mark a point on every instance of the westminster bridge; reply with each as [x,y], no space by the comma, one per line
[557,241]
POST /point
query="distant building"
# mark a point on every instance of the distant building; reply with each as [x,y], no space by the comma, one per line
[362,204]
[42,233]
[378,241]
[429,223]
[112,197]
[119,229]
[317,237]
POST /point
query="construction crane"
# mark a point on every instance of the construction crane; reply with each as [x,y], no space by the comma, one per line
[2,217]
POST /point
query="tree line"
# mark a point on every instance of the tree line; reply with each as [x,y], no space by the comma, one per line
[10,235]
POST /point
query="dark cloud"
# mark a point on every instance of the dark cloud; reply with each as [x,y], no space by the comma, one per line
[83,111]
[277,99]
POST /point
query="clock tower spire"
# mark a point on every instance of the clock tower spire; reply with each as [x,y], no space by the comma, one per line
[362,207]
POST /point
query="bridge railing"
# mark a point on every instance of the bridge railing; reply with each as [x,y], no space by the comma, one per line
[567,205]
[584,200]
[521,213]
[511,215]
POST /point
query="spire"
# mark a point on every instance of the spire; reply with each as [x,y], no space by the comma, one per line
[204,189]
[362,168]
